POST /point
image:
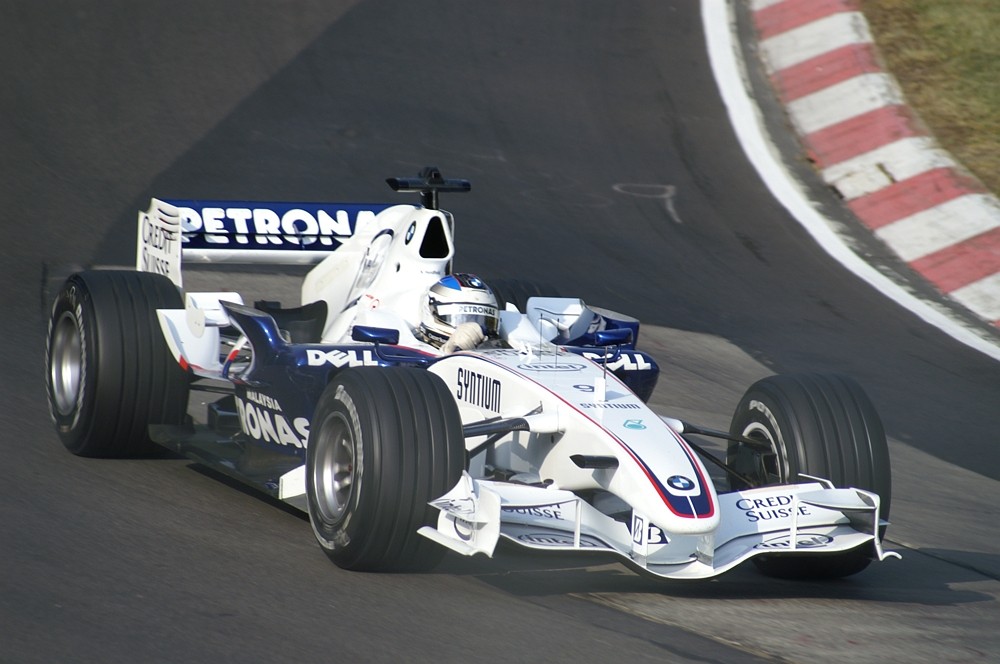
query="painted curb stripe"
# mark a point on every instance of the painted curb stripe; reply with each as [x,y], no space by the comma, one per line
[962,264]
[909,196]
[941,226]
[843,101]
[860,134]
[809,41]
[785,15]
[897,161]
[825,70]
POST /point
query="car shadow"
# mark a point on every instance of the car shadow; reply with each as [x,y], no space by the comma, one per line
[922,577]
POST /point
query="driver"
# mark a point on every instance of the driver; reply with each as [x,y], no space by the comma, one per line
[459,313]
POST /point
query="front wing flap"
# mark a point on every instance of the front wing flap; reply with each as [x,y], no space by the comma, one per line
[801,519]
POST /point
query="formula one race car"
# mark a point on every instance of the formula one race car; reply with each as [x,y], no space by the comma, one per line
[364,408]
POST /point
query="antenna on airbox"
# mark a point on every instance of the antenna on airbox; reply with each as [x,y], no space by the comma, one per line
[428,184]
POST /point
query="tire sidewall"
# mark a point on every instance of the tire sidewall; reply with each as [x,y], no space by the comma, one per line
[336,535]
[74,303]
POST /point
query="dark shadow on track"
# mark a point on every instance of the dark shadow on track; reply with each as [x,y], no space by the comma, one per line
[917,579]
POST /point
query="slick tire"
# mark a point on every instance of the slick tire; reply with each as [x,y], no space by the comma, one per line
[109,371]
[517,291]
[382,444]
[822,425]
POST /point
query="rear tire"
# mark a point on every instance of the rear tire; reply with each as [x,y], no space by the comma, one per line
[822,425]
[383,443]
[110,373]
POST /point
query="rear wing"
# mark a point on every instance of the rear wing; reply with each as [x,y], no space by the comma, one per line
[249,232]
[243,232]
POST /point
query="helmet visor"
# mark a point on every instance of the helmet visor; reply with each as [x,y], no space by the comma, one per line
[456,313]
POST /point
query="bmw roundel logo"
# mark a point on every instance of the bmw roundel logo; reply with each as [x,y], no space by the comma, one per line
[410,231]
[680,483]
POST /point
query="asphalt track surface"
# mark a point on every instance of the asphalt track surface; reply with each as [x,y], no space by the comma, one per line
[602,162]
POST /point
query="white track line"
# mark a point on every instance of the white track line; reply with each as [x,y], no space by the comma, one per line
[719,24]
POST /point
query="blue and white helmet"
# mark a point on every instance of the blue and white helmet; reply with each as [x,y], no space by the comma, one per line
[456,299]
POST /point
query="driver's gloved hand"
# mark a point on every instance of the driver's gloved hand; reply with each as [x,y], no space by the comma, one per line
[465,337]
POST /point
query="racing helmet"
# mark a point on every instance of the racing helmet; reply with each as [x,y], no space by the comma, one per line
[456,299]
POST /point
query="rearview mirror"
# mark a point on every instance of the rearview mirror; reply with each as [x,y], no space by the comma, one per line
[618,337]
[375,335]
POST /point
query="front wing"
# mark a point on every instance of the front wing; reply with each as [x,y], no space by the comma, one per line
[800,519]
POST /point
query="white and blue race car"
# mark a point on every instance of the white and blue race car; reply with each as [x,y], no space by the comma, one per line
[398,450]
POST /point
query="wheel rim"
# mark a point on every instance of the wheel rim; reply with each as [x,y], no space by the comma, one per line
[769,464]
[333,472]
[66,363]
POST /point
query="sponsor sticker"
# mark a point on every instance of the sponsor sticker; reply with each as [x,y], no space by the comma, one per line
[770,508]
[626,361]
[551,366]
[463,529]
[341,358]
[646,533]
[611,405]
[558,539]
[539,511]
[478,390]
[261,418]
[802,541]
[159,242]
[680,483]
[269,225]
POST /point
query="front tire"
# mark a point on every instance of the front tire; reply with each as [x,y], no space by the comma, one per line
[110,373]
[823,425]
[383,443]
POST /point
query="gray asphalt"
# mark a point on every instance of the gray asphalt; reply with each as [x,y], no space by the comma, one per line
[602,161]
